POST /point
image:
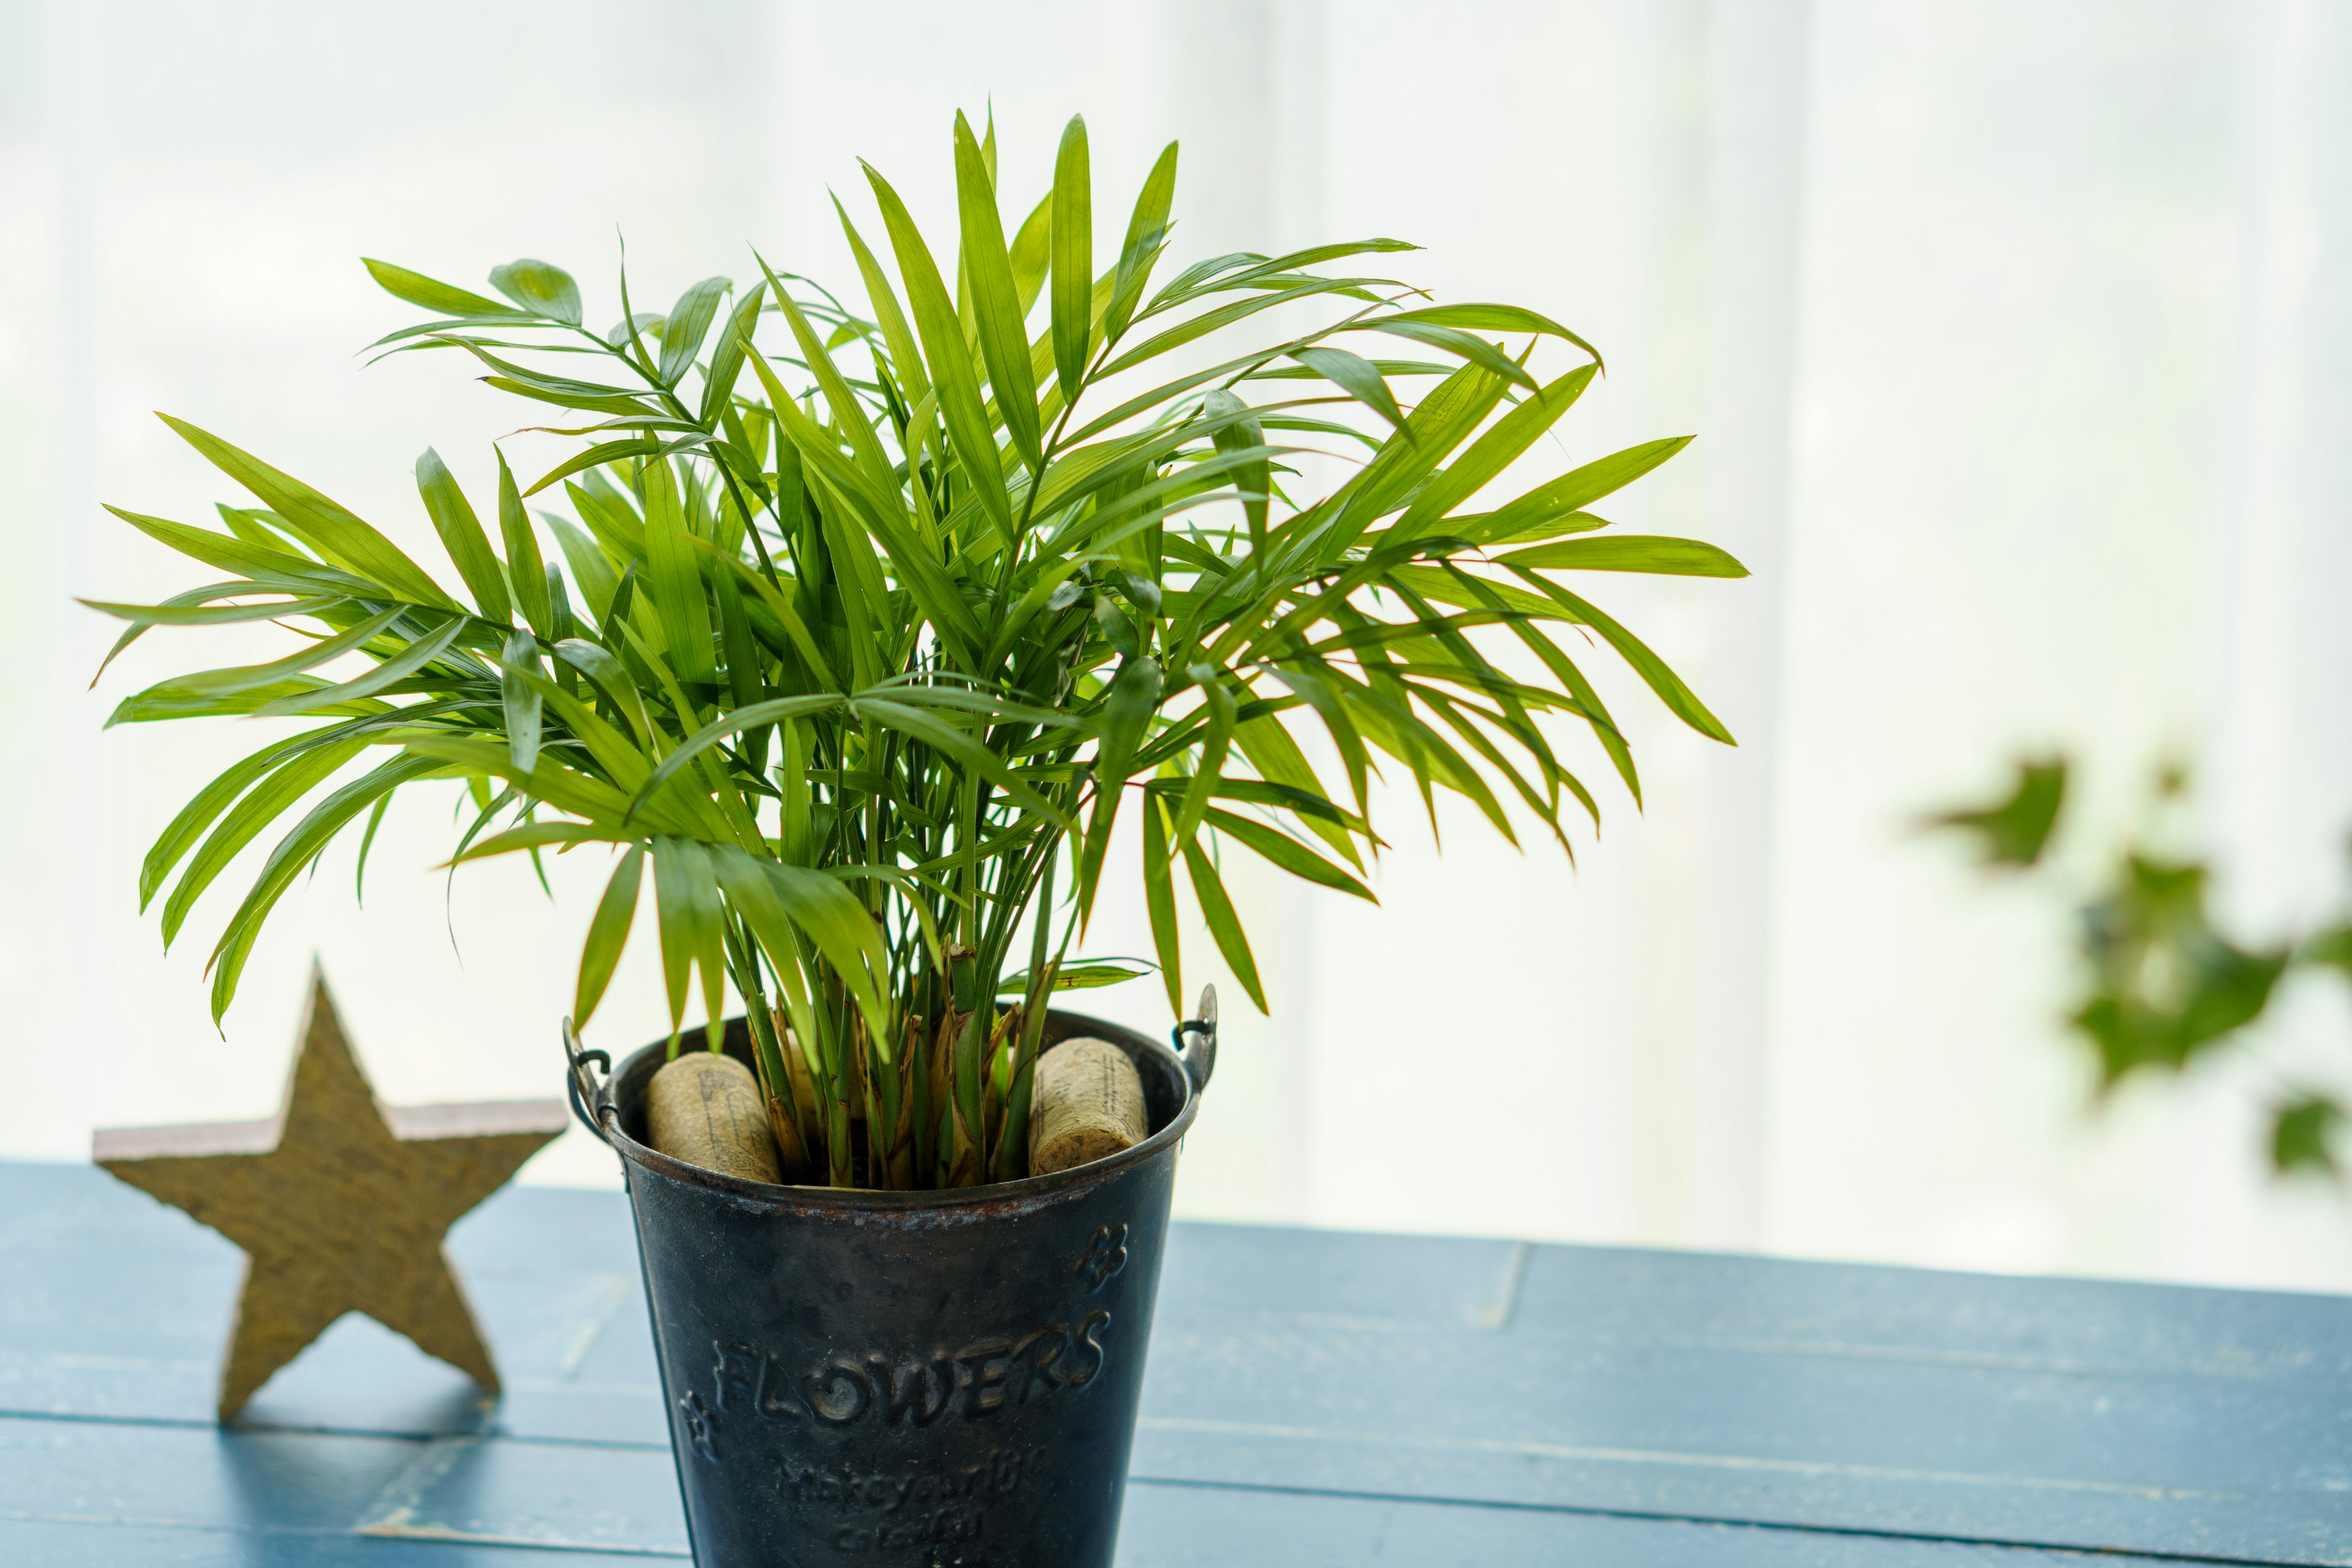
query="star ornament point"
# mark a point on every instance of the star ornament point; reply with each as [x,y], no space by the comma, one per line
[340,1202]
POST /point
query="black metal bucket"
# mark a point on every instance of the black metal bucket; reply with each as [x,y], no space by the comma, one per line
[904,1378]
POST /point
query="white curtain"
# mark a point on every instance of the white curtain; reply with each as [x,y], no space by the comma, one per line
[2017,339]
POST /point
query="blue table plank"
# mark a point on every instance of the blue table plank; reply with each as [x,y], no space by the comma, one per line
[1182,1527]
[608,1499]
[2231,1445]
[1412,1391]
[131,1473]
[1165,1526]
[93,1546]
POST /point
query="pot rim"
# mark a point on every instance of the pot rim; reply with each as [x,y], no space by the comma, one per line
[951,1202]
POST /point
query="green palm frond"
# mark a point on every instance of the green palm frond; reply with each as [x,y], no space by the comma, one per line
[867,631]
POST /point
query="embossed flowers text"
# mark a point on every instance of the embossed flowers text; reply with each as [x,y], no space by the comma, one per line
[975,1381]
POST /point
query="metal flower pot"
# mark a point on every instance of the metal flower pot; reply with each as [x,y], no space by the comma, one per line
[904,1378]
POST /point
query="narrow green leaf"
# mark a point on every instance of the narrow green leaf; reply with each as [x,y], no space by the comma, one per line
[392,670]
[1468,345]
[1217,910]
[1224,316]
[559,623]
[461,534]
[595,457]
[943,345]
[1147,235]
[1237,432]
[520,701]
[295,851]
[610,518]
[524,561]
[944,738]
[611,677]
[1573,491]
[795,630]
[841,928]
[759,901]
[210,802]
[287,783]
[1209,761]
[269,570]
[1275,754]
[741,648]
[1134,696]
[1095,847]
[687,324]
[200,614]
[608,933]
[1357,376]
[749,717]
[727,359]
[1032,255]
[561,787]
[529,837]
[706,930]
[879,486]
[338,536]
[1496,319]
[673,579]
[255,677]
[1159,903]
[158,704]
[674,909]
[906,359]
[441,298]
[590,567]
[1631,552]
[1493,452]
[1288,853]
[1679,698]
[1305,675]
[1072,259]
[1002,341]
[367,842]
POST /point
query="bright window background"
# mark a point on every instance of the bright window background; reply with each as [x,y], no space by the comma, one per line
[2019,340]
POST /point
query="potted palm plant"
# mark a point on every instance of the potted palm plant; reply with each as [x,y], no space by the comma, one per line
[871,622]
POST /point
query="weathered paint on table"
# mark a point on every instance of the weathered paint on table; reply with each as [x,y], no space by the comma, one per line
[1313,1398]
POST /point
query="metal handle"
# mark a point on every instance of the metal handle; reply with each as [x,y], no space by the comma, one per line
[1195,1040]
[591,1101]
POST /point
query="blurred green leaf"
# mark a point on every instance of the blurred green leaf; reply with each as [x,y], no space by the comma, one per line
[2016,828]
[2303,1135]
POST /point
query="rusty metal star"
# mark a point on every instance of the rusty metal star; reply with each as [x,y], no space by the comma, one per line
[339,1203]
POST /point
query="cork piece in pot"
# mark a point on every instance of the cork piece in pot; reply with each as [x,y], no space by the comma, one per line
[705,1109]
[1089,1106]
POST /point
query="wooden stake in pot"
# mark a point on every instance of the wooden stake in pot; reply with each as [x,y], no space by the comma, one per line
[705,1109]
[1089,1106]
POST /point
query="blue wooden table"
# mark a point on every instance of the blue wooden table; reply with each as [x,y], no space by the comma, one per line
[1313,1398]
